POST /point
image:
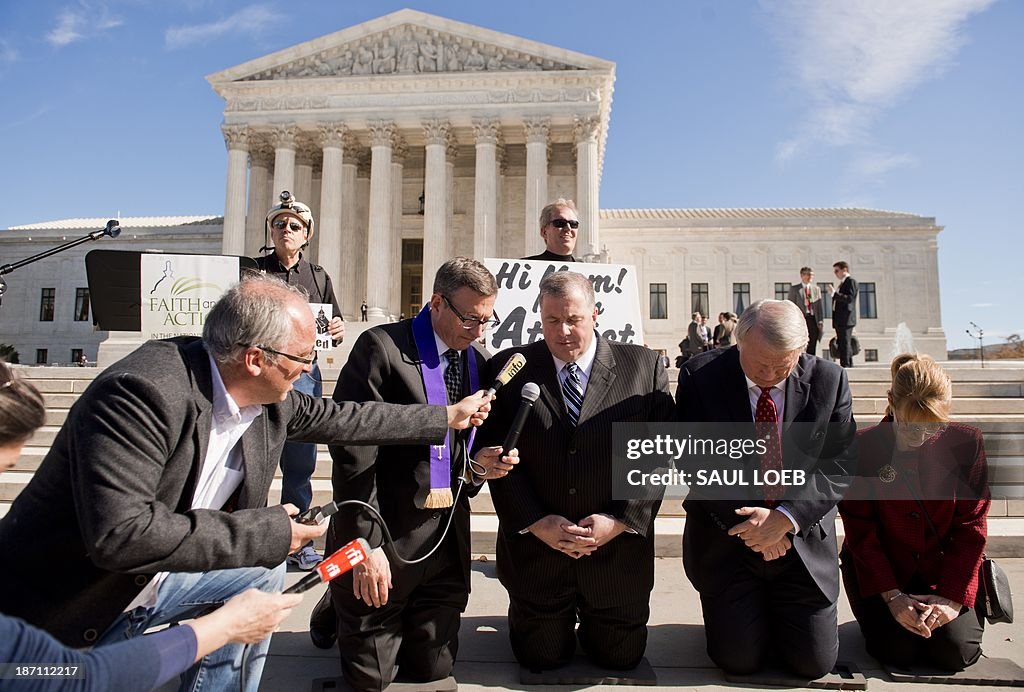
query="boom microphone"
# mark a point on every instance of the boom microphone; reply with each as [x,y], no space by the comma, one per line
[347,557]
[513,366]
[530,393]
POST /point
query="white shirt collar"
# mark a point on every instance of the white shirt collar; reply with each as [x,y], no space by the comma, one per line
[586,360]
[780,385]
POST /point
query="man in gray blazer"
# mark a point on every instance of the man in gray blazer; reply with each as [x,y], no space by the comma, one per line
[151,505]
[806,295]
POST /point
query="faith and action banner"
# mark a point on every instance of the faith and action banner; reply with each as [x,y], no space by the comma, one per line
[179,290]
[615,286]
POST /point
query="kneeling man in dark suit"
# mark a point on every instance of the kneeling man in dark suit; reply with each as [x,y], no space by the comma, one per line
[767,567]
[567,550]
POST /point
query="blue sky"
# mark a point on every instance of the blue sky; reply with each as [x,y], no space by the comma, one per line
[913,105]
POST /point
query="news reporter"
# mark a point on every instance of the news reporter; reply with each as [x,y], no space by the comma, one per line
[138,664]
[916,526]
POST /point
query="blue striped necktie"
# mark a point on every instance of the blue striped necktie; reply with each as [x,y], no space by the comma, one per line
[572,390]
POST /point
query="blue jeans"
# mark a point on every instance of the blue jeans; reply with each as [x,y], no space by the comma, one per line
[182,596]
[298,459]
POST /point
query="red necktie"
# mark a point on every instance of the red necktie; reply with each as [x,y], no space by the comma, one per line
[809,310]
[766,424]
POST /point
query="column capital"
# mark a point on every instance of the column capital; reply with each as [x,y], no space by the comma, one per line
[332,134]
[260,152]
[538,130]
[381,132]
[307,151]
[236,137]
[399,149]
[350,147]
[451,148]
[486,130]
[284,136]
[436,131]
[585,128]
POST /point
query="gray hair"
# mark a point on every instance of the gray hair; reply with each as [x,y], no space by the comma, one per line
[251,313]
[779,322]
[549,210]
[562,284]
[464,272]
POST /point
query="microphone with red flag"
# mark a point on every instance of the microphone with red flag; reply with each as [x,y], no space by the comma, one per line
[347,557]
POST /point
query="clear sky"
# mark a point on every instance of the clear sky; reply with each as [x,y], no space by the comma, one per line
[907,105]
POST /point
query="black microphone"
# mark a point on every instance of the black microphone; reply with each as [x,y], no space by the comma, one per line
[512,367]
[113,228]
[530,393]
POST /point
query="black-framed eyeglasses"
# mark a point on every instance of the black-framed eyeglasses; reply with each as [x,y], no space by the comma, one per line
[565,223]
[307,360]
[472,322]
[281,224]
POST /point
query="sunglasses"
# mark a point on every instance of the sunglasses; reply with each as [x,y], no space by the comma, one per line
[281,224]
[565,223]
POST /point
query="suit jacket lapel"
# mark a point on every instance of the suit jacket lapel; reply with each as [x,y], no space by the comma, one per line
[254,457]
[738,394]
[797,390]
[601,379]
[199,365]
[547,380]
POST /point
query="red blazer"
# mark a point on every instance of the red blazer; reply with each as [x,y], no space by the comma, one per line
[888,539]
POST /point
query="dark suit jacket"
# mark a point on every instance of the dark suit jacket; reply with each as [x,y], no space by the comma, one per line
[888,539]
[713,389]
[385,366]
[796,295]
[548,256]
[697,334]
[844,304]
[568,471]
[109,506]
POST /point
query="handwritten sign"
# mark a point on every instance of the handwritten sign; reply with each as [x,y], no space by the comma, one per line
[518,304]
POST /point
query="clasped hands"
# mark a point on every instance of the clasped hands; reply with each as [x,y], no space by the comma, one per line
[579,539]
[766,531]
[921,614]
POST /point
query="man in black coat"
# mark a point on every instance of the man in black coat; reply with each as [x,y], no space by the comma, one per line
[844,311]
[394,619]
[567,549]
[766,566]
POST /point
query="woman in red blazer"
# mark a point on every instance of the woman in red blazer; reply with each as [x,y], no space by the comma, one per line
[915,526]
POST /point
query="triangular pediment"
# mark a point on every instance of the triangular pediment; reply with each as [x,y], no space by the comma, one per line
[408,42]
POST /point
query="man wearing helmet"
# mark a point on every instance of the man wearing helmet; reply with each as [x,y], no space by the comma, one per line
[289,227]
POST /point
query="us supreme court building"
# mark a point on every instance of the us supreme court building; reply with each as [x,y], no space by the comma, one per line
[415,138]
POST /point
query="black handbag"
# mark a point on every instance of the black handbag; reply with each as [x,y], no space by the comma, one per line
[994,593]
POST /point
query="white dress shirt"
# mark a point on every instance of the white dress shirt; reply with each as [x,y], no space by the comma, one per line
[778,395]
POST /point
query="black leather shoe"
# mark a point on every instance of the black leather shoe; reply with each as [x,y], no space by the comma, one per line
[323,627]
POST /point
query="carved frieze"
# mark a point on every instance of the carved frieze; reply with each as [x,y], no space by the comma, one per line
[409,49]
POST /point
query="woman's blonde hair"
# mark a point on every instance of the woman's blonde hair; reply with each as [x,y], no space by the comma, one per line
[921,389]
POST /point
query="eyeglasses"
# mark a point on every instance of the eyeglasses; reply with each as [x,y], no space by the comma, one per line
[472,322]
[565,223]
[305,360]
[280,225]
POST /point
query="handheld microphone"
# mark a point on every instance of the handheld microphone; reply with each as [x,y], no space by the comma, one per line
[512,367]
[530,393]
[347,557]
[315,516]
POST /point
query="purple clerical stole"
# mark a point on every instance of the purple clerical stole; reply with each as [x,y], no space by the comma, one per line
[432,371]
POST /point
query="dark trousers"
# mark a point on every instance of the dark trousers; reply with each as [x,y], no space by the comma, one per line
[415,636]
[844,342]
[543,630]
[952,647]
[770,615]
[813,334]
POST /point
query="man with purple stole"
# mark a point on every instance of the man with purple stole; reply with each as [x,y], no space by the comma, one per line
[395,619]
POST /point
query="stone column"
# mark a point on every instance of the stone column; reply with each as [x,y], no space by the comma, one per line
[260,161]
[329,224]
[537,132]
[236,138]
[451,233]
[586,130]
[485,198]
[399,151]
[303,172]
[380,239]
[283,139]
[347,276]
[435,203]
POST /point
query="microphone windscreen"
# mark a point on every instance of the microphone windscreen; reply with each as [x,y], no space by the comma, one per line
[513,366]
[530,391]
[344,559]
